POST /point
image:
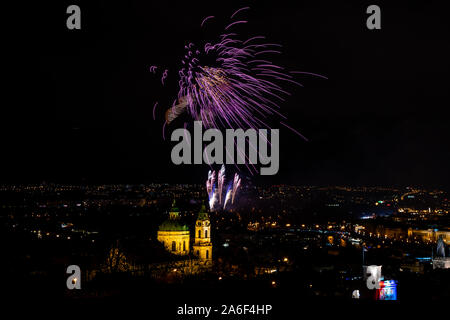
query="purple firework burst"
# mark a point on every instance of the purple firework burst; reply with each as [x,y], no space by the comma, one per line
[232,82]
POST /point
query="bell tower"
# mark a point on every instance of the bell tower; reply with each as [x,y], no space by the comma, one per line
[202,245]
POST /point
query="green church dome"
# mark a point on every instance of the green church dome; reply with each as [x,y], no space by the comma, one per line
[173,225]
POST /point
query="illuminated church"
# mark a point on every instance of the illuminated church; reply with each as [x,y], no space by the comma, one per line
[176,236]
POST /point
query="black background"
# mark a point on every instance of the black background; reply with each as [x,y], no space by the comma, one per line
[77,105]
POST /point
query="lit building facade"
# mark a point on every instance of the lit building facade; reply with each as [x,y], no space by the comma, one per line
[176,236]
[429,234]
[173,234]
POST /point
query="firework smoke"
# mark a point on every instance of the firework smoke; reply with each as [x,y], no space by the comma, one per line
[176,110]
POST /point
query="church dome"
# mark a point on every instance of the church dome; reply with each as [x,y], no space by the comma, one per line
[172,225]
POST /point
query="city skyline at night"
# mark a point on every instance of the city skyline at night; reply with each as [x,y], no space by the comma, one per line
[234,160]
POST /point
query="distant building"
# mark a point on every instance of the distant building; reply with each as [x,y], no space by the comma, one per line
[401,233]
[173,234]
[441,261]
[415,267]
[429,234]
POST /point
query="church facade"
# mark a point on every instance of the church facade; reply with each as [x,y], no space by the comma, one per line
[173,234]
[176,236]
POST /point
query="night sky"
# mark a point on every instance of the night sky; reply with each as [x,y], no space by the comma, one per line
[81,101]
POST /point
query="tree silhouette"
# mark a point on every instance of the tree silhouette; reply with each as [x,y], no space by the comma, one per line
[116,260]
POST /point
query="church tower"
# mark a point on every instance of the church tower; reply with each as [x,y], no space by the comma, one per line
[202,245]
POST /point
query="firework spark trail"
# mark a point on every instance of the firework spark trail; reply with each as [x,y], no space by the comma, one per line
[247,162]
[153,69]
[310,73]
[236,22]
[211,189]
[236,185]
[213,179]
[208,162]
[293,130]
[208,187]
[228,196]
[239,10]
[208,183]
[154,108]
[213,199]
[220,181]
[206,19]
[186,135]
[163,130]
[164,76]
